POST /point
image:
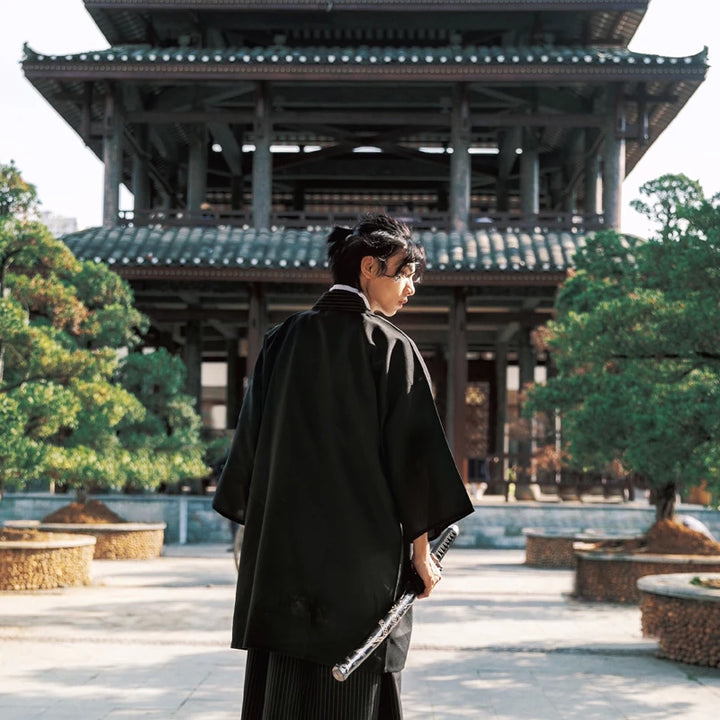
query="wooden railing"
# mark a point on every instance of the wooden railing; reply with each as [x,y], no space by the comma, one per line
[437,221]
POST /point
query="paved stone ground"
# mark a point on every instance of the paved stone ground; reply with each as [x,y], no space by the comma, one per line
[497,640]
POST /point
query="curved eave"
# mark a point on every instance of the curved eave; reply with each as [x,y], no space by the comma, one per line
[450,278]
[660,120]
[575,71]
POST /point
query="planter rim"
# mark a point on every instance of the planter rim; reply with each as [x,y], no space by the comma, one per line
[678,585]
[102,527]
[601,555]
[20,524]
[73,541]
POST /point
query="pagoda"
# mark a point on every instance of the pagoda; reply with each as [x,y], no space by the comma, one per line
[501,130]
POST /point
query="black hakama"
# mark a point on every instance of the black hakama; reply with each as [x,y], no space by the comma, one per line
[278,687]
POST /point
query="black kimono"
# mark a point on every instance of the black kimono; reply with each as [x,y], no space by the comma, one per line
[338,462]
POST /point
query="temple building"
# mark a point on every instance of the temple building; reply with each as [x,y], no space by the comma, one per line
[501,130]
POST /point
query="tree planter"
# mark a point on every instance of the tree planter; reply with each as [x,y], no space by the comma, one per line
[612,577]
[43,564]
[548,549]
[685,618]
[117,541]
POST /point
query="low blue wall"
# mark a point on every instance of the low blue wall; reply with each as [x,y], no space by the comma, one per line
[191,519]
[501,525]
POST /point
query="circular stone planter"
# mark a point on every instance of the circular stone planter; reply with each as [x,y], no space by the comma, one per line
[548,549]
[46,564]
[117,541]
[685,618]
[612,577]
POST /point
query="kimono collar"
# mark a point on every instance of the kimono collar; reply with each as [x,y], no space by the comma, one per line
[352,289]
[338,298]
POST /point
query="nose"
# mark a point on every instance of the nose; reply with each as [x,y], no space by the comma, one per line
[410,286]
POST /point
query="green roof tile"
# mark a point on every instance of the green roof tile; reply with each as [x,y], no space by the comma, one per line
[177,247]
[368,55]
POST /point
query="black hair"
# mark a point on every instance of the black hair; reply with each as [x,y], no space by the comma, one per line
[378,236]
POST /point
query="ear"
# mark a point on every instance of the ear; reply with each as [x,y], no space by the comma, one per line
[367,267]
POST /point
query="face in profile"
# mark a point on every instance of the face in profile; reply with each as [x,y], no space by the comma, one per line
[388,291]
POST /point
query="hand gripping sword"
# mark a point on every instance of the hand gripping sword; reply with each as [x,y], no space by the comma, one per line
[343,669]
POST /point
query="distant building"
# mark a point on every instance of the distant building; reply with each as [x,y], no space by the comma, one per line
[57,224]
[501,130]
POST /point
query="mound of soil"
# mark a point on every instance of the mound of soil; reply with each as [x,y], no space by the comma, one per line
[25,535]
[665,537]
[92,511]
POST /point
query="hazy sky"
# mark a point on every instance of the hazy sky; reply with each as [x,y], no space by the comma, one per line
[69,177]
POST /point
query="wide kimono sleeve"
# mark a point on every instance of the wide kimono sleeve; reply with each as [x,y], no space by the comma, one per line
[428,491]
[233,488]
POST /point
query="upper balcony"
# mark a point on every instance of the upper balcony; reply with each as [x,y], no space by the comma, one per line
[432,221]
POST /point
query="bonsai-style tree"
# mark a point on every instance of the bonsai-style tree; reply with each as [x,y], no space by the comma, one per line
[166,442]
[64,412]
[636,346]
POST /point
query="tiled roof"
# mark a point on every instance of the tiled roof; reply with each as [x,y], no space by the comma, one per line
[248,248]
[364,55]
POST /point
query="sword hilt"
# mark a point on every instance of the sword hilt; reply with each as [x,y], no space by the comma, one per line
[443,542]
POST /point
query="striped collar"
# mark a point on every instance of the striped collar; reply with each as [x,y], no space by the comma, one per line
[352,289]
[342,299]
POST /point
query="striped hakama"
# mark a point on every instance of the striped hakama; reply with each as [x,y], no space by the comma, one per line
[278,687]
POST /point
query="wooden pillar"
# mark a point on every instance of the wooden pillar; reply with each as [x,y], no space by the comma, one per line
[502,195]
[140,173]
[460,161]
[299,197]
[613,160]
[236,192]
[509,140]
[233,386]
[112,159]
[530,175]
[442,199]
[557,186]
[526,367]
[262,159]
[257,321]
[193,360]
[501,363]
[86,118]
[457,379]
[197,171]
[592,171]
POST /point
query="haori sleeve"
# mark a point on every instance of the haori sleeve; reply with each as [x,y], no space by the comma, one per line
[233,487]
[428,490]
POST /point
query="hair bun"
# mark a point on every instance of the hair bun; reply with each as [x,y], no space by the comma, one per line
[339,234]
